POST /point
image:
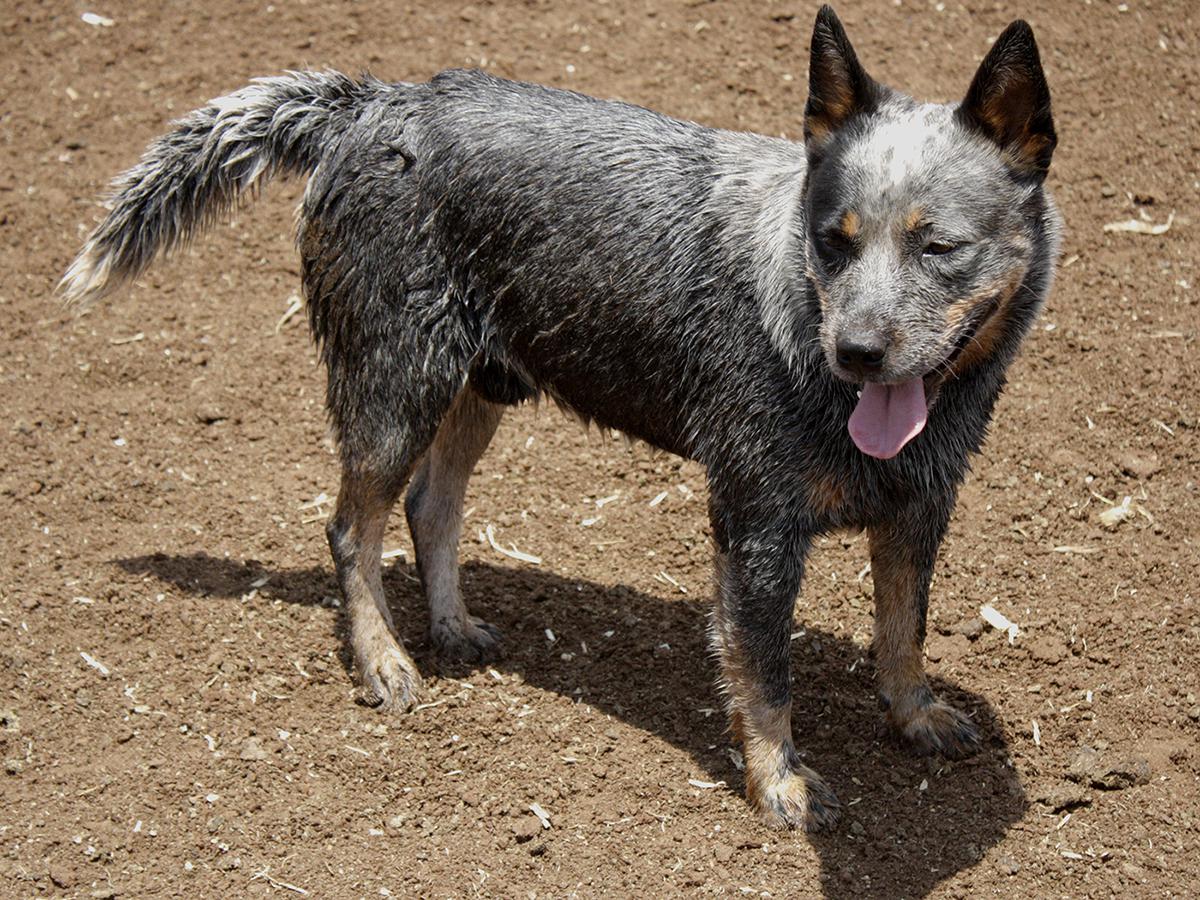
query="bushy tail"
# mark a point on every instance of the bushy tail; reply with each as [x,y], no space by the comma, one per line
[198,171]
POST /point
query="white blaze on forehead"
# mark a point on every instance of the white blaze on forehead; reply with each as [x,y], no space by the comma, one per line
[896,148]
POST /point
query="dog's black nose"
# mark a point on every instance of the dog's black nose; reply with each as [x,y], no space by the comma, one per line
[862,352]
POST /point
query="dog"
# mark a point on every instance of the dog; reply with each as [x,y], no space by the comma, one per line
[825,326]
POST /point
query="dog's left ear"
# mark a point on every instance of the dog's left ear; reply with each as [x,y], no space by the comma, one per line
[838,86]
[1009,100]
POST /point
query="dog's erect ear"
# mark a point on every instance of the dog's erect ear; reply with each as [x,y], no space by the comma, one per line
[1009,100]
[838,86]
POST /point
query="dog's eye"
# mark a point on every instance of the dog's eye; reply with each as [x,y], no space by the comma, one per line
[836,241]
[939,248]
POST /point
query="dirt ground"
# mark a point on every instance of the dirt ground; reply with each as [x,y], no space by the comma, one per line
[176,716]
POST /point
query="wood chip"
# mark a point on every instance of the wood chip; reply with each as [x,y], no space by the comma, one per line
[513,552]
[295,304]
[1137,226]
[543,816]
[999,621]
[94,663]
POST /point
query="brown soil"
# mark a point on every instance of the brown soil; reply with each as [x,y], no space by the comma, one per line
[160,453]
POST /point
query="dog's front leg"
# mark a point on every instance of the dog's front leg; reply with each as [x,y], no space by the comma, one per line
[903,552]
[757,583]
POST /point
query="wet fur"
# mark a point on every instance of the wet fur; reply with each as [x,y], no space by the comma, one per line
[473,242]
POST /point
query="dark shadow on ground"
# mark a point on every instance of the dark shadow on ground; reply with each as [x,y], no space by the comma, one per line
[889,824]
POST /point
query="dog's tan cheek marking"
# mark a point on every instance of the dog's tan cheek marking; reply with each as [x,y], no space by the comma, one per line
[822,295]
[984,341]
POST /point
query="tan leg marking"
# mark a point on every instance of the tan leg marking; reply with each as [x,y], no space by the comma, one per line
[434,508]
[782,790]
[901,590]
[387,674]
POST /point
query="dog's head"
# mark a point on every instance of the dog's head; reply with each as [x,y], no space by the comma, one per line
[922,222]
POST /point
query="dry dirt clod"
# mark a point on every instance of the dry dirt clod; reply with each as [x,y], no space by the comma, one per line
[947,649]
[1124,774]
[252,750]
[1140,465]
[1063,797]
[970,628]
[526,828]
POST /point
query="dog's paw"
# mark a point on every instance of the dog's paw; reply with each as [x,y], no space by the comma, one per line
[388,679]
[937,728]
[797,798]
[473,641]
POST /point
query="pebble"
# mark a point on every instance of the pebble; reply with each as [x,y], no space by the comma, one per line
[252,750]
[526,828]
[1139,465]
[947,649]
[1008,865]
[1088,767]
[1048,650]
[13,766]
[969,628]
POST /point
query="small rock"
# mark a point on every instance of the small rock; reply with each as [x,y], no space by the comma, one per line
[252,750]
[1008,865]
[9,720]
[969,628]
[209,414]
[1107,191]
[526,828]
[13,766]
[947,649]
[1125,774]
[104,893]
[723,852]
[1140,465]
[1063,797]
[61,875]
[1085,762]
[1048,650]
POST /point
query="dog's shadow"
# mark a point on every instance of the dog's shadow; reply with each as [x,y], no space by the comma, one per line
[907,823]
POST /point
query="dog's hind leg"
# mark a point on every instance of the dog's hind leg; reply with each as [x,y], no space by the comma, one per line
[434,506]
[903,553]
[387,674]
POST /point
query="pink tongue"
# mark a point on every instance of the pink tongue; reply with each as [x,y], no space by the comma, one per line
[887,417]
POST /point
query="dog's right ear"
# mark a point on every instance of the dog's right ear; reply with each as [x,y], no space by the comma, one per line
[838,86]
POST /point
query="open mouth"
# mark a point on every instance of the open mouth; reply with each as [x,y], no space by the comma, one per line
[888,416]
[966,334]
